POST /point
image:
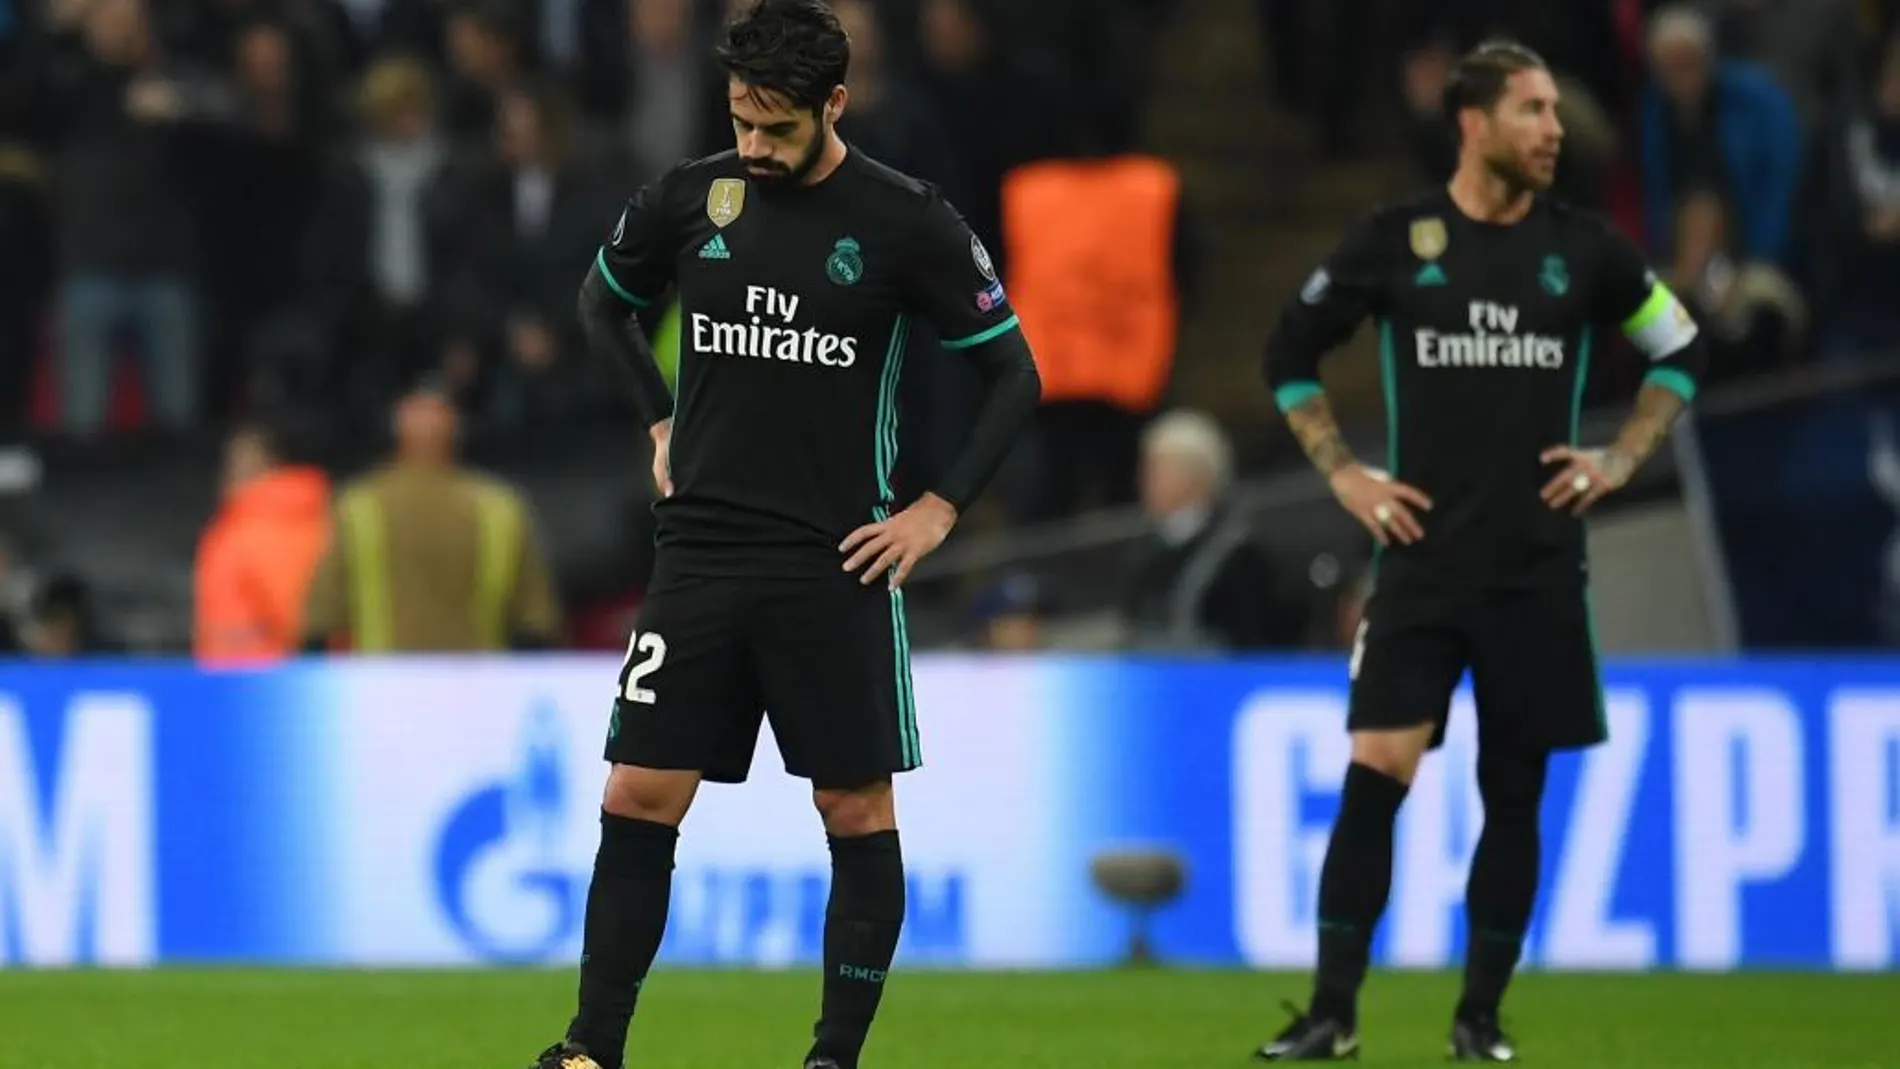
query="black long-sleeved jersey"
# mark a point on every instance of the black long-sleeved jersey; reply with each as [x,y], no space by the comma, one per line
[1485,335]
[796,303]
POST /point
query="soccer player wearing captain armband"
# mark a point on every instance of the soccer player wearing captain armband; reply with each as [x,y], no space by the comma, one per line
[1487,294]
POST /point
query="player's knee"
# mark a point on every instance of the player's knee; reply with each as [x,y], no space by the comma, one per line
[1511,781]
[658,795]
[1392,753]
[851,812]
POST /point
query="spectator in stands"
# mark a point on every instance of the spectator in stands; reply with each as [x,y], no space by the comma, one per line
[372,261]
[1812,49]
[487,56]
[257,554]
[1423,73]
[888,117]
[1199,582]
[1010,615]
[1717,127]
[1869,322]
[1107,46]
[1578,38]
[1755,316]
[429,556]
[1101,269]
[126,119]
[525,221]
[646,82]
[1319,52]
[1001,107]
[256,245]
[13,597]
[668,75]
[320,31]
[26,244]
[26,268]
[63,621]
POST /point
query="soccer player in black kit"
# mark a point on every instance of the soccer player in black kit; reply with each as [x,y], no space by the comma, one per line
[799,265]
[1486,294]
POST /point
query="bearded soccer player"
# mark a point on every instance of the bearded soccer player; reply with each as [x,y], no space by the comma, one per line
[1486,294]
[799,265]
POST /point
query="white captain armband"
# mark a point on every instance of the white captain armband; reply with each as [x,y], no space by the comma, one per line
[1662,326]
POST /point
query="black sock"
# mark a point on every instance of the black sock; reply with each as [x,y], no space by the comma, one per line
[1503,885]
[1353,886]
[626,918]
[862,922]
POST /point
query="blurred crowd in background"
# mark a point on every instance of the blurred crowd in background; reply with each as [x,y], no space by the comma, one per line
[324,199]
[217,216]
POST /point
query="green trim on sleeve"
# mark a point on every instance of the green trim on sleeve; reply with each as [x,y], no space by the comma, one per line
[991,334]
[600,261]
[1294,394]
[1676,381]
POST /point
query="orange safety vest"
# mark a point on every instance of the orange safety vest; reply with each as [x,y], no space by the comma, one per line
[1091,275]
[254,565]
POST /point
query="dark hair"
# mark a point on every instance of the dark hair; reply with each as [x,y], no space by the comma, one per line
[63,592]
[287,437]
[1479,78]
[791,48]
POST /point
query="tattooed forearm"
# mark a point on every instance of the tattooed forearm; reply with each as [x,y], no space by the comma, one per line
[1656,412]
[1312,423]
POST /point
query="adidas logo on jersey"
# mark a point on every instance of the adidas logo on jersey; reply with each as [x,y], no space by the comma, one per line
[1430,275]
[715,249]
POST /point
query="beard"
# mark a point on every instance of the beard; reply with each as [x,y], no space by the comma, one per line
[774,174]
[1517,174]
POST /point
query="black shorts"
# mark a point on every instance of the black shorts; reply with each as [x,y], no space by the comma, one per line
[1531,653]
[827,658]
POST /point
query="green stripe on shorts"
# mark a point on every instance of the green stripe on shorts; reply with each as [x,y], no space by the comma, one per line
[910,748]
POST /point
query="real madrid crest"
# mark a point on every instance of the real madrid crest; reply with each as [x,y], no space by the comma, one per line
[725,200]
[845,265]
[1428,238]
[1554,276]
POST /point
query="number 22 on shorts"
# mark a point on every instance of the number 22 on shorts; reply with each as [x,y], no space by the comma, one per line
[646,651]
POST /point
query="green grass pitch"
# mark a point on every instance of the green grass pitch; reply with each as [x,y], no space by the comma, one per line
[1145,1019]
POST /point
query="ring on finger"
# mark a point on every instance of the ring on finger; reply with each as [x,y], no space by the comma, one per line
[1382,513]
[1581,483]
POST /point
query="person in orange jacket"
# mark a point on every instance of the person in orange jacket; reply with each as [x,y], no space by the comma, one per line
[256,556]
